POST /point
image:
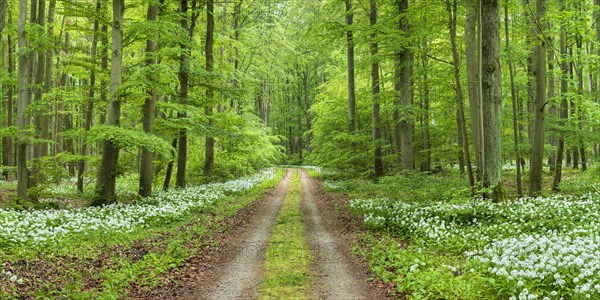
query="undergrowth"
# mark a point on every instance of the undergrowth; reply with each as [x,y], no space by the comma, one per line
[429,237]
[84,264]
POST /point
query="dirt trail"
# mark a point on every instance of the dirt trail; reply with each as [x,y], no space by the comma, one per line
[240,278]
[335,278]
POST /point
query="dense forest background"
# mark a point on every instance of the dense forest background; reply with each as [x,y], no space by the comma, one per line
[200,90]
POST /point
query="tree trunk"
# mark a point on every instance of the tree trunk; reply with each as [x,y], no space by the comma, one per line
[3,9]
[492,100]
[564,106]
[404,123]
[513,94]
[425,145]
[452,11]
[48,74]
[580,142]
[37,87]
[22,100]
[459,142]
[237,10]
[351,79]
[209,146]
[537,155]
[90,104]
[183,97]
[40,150]
[9,105]
[107,175]
[474,81]
[145,186]
[377,141]
[169,171]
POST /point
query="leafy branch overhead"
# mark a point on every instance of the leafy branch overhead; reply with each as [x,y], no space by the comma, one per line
[124,138]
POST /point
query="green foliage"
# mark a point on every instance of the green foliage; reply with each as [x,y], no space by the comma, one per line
[243,147]
[422,274]
[127,138]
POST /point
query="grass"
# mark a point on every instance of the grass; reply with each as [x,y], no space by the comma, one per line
[288,258]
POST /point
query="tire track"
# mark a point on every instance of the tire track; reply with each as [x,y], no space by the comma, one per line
[333,276]
[243,274]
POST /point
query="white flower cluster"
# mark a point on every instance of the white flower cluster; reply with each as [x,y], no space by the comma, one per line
[551,242]
[13,278]
[40,227]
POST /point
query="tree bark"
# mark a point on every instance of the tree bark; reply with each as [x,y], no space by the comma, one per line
[48,73]
[41,149]
[425,144]
[452,11]
[209,145]
[492,100]
[513,97]
[90,101]
[537,155]
[105,184]
[350,58]
[580,142]
[169,170]
[145,185]
[22,100]
[377,141]
[9,105]
[564,106]
[183,97]
[404,122]
[472,50]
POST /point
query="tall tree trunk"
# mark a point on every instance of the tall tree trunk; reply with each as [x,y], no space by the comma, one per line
[552,110]
[104,91]
[10,100]
[537,155]
[404,123]
[474,81]
[38,80]
[145,186]
[48,73]
[22,103]
[452,11]
[513,97]
[377,141]
[492,100]
[107,175]
[350,58]
[209,146]
[90,101]
[183,96]
[580,142]
[564,106]
[425,145]
[237,11]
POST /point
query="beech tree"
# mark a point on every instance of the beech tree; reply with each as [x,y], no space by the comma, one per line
[492,100]
[107,174]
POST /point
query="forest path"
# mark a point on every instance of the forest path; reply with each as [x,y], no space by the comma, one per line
[241,277]
[233,268]
[334,278]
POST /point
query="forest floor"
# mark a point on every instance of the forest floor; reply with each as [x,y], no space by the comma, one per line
[234,267]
